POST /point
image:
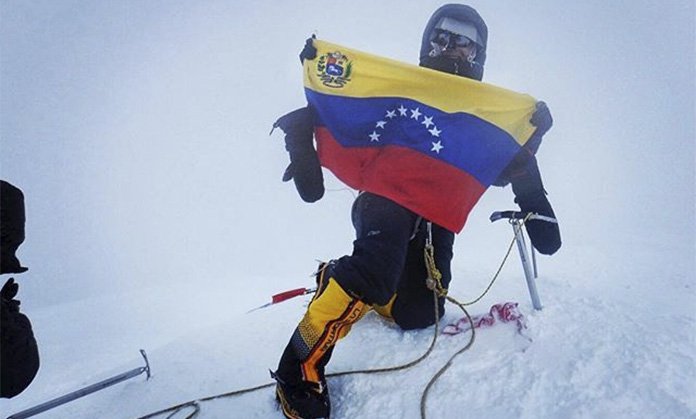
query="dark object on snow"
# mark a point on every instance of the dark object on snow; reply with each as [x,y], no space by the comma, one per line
[304,167]
[11,227]
[19,354]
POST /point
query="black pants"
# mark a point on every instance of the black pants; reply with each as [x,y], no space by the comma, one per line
[388,259]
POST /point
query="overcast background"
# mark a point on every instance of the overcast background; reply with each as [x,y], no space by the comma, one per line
[138,131]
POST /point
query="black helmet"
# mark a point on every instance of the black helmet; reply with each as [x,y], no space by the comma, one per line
[456,19]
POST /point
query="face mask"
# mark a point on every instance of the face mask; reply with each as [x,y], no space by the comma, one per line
[457,66]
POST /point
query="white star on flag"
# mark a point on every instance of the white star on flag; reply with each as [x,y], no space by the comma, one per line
[381,124]
[437,147]
[374,136]
[391,114]
[415,113]
[402,110]
[434,132]
[427,121]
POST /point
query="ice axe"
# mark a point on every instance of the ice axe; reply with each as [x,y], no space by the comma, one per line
[84,391]
[517,220]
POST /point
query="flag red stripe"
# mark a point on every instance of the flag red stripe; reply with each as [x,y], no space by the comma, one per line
[431,188]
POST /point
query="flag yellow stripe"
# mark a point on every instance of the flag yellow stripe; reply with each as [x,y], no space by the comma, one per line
[374,76]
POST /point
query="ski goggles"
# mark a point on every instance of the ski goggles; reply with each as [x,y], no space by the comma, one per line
[447,39]
[459,27]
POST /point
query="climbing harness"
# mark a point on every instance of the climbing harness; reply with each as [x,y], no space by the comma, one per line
[434,283]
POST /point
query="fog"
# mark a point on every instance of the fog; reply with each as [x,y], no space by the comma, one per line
[139,134]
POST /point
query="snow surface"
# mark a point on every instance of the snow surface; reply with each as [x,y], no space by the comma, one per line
[156,217]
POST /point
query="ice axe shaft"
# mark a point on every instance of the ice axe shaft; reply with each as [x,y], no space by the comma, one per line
[84,391]
[517,219]
[529,273]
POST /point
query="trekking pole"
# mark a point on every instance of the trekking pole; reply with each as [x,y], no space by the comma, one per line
[84,391]
[517,220]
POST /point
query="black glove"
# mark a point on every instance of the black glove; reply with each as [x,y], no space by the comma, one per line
[309,52]
[542,119]
[8,293]
[19,355]
[531,197]
[304,167]
[9,290]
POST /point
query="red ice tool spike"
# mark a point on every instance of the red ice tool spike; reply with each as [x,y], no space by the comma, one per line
[285,295]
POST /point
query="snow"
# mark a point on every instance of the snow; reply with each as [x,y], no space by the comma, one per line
[156,217]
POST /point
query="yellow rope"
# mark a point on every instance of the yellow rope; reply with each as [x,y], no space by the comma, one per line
[434,280]
[438,288]
[442,370]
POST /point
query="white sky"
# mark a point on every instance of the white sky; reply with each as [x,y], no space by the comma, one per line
[138,130]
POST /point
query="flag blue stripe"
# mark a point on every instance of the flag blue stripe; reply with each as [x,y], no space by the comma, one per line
[463,140]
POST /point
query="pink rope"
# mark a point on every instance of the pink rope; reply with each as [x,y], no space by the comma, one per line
[502,312]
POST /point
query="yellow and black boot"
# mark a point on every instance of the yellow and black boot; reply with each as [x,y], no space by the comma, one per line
[301,385]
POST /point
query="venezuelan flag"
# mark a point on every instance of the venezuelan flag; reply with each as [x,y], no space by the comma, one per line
[430,141]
